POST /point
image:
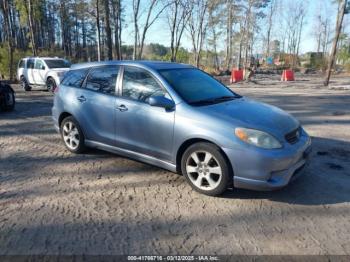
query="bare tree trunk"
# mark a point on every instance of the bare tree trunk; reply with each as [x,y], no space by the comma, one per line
[229,34]
[98,33]
[340,18]
[108,31]
[116,18]
[136,8]
[31,28]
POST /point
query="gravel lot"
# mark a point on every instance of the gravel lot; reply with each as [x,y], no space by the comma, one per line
[54,202]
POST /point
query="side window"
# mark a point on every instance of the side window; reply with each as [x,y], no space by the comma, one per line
[103,79]
[30,63]
[21,64]
[38,64]
[140,85]
[74,78]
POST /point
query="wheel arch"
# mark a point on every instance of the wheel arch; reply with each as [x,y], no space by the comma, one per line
[66,114]
[186,144]
[62,116]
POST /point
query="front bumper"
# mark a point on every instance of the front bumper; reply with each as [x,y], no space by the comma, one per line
[261,169]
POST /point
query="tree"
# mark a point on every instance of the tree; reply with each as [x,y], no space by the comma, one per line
[342,9]
[29,8]
[197,27]
[178,14]
[271,12]
[152,14]
[108,31]
[98,30]
[117,10]
[4,7]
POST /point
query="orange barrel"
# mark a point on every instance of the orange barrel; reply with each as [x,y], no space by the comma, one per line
[288,75]
[236,75]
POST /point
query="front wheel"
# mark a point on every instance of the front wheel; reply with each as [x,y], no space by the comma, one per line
[206,169]
[72,135]
[51,84]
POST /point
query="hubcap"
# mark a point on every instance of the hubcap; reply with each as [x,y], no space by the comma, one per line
[204,170]
[70,135]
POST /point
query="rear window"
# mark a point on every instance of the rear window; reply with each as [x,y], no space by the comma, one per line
[74,78]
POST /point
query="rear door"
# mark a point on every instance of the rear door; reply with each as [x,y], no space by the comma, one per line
[140,127]
[97,99]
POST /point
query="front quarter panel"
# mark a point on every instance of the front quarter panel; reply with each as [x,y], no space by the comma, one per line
[190,123]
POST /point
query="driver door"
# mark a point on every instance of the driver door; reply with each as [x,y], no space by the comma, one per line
[140,127]
[39,72]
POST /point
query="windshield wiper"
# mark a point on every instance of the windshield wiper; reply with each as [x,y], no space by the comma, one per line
[213,100]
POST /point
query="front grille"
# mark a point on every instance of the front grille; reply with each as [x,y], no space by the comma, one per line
[293,136]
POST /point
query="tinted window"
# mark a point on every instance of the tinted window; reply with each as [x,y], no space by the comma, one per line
[30,63]
[193,85]
[38,64]
[57,63]
[21,64]
[138,84]
[74,78]
[103,79]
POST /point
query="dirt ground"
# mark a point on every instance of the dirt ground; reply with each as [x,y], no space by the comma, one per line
[54,202]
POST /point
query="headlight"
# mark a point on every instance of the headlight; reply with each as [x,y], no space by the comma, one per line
[257,138]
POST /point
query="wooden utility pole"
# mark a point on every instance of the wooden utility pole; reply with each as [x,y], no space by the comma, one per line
[340,18]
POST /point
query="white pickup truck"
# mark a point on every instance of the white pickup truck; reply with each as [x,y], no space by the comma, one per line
[41,71]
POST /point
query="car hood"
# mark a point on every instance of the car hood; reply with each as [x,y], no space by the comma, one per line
[248,113]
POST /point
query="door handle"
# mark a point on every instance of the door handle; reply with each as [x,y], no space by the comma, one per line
[81,99]
[122,108]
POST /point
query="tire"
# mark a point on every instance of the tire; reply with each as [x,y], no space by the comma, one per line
[72,135]
[51,84]
[201,164]
[9,100]
[25,85]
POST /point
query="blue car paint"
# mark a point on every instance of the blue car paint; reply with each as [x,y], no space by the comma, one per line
[155,135]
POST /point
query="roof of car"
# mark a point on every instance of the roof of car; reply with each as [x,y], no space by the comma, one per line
[42,57]
[156,65]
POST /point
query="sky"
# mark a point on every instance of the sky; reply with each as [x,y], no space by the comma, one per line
[159,32]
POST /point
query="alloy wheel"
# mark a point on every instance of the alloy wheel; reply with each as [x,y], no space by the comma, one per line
[70,135]
[204,170]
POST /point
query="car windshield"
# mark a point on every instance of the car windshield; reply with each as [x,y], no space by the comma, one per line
[57,63]
[197,87]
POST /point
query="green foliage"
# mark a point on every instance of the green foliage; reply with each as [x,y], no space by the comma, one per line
[4,59]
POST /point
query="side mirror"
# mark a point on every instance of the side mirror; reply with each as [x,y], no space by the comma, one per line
[161,101]
[42,67]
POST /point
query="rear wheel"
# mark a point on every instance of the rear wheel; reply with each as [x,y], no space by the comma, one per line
[51,84]
[72,135]
[24,84]
[206,169]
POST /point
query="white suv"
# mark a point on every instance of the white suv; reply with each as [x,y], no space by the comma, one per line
[41,71]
